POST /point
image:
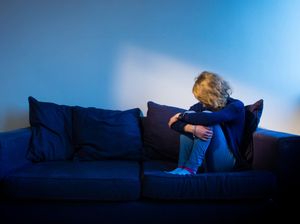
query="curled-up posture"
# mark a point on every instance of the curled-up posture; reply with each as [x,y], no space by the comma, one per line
[211,130]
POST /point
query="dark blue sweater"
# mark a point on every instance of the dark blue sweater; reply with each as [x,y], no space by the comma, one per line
[231,118]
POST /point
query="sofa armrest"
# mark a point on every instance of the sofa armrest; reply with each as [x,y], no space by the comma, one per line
[280,153]
[13,149]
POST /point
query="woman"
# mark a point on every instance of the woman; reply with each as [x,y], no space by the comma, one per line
[211,130]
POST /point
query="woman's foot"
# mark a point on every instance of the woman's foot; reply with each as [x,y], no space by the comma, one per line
[175,171]
[184,172]
[180,171]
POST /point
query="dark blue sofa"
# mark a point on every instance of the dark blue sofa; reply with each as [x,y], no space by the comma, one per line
[138,191]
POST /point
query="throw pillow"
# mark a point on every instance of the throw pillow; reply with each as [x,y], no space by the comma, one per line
[51,126]
[253,113]
[101,134]
[160,142]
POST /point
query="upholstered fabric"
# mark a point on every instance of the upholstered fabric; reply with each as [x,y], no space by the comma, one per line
[107,134]
[13,149]
[160,142]
[93,180]
[51,126]
[253,113]
[230,185]
[279,151]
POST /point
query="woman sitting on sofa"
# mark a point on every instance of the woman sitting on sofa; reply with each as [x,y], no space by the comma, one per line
[211,130]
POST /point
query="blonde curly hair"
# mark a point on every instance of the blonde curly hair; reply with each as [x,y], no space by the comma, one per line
[211,90]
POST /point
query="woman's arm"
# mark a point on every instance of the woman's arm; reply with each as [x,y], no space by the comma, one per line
[173,119]
[228,113]
[199,131]
[178,125]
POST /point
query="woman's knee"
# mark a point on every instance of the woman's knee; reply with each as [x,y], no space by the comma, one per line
[184,138]
[217,130]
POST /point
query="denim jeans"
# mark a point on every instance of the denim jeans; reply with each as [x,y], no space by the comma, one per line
[213,154]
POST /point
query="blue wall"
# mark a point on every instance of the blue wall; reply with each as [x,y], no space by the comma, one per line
[120,54]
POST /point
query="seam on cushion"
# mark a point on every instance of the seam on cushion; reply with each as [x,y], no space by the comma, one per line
[44,178]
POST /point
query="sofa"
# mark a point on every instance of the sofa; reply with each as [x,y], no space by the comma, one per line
[89,165]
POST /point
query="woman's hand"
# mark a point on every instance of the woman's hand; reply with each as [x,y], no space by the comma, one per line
[199,131]
[202,132]
[173,119]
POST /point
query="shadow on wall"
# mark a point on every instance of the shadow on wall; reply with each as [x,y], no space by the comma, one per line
[15,118]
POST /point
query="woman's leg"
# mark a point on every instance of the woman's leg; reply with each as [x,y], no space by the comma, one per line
[214,154]
[197,155]
[218,156]
[185,149]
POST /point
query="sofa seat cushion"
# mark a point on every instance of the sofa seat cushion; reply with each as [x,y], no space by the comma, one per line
[249,184]
[93,180]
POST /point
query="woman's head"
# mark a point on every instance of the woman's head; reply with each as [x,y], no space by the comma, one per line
[211,90]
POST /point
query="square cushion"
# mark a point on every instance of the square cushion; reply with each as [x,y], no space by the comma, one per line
[250,184]
[72,180]
[51,126]
[160,142]
[253,113]
[101,134]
